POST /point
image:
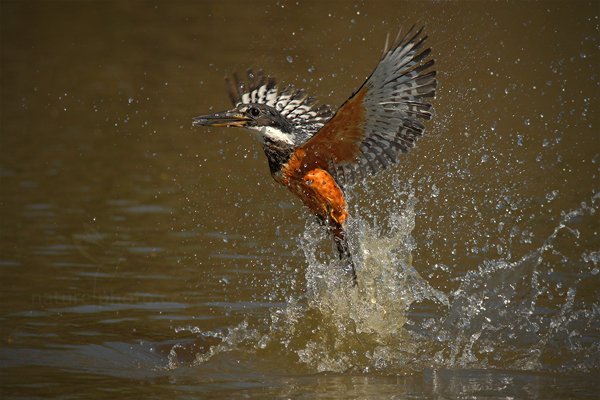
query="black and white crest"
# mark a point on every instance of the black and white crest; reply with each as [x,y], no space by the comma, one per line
[291,103]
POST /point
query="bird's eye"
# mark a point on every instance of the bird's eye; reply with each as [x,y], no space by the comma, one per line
[254,111]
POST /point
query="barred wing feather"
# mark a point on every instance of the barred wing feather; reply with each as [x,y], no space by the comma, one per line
[382,119]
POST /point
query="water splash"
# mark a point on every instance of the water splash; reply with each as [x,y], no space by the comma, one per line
[511,314]
[362,328]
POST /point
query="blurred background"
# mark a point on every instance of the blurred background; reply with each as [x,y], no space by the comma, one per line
[141,256]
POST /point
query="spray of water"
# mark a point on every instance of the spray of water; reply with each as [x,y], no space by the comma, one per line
[504,314]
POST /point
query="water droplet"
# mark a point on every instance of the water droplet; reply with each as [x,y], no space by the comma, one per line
[551,195]
[290,59]
[520,140]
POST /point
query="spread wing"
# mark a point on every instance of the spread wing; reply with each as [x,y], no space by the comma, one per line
[382,119]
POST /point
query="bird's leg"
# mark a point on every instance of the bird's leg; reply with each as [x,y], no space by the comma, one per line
[339,236]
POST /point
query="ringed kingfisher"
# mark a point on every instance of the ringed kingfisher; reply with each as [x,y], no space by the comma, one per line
[317,153]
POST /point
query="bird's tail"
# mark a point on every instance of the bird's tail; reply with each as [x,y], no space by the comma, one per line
[339,236]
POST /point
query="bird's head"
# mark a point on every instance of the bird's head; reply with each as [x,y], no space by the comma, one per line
[285,117]
[266,120]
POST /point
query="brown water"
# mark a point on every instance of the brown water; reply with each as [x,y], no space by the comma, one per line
[141,257]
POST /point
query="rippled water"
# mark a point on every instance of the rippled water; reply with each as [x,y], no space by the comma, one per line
[141,257]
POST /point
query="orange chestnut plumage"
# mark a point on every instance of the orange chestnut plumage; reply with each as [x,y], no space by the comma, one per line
[317,154]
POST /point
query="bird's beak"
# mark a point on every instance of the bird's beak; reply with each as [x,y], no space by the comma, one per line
[226,118]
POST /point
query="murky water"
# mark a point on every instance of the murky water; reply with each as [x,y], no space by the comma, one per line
[141,257]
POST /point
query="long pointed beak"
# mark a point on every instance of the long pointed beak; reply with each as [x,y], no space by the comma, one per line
[226,118]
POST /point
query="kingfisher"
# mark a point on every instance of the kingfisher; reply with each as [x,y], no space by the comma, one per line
[318,154]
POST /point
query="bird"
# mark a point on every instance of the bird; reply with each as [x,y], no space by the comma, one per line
[319,154]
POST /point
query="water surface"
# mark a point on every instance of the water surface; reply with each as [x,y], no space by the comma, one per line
[141,256]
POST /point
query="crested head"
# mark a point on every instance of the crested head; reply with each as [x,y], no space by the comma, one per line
[288,116]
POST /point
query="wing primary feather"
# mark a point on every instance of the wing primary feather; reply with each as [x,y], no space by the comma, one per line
[411,71]
[387,41]
[399,42]
[427,78]
[423,67]
[422,55]
[415,35]
[382,119]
